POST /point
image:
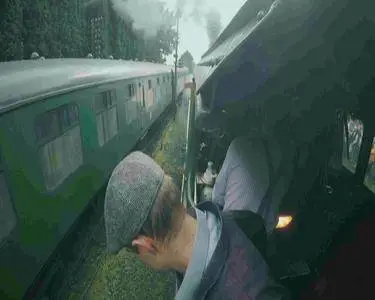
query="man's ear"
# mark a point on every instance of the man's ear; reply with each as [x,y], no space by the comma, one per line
[144,244]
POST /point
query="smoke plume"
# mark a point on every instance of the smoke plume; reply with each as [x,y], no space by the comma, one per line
[213,24]
[148,16]
[207,17]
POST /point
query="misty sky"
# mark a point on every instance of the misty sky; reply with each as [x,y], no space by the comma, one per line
[194,37]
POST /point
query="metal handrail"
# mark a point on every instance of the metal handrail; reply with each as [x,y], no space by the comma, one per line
[189,173]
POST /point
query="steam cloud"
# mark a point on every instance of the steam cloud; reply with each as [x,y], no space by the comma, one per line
[180,5]
[207,17]
[147,15]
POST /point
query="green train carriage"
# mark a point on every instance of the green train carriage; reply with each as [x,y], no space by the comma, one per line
[64,125]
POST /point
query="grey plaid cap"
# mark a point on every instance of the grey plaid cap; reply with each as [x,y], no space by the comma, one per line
[130,195]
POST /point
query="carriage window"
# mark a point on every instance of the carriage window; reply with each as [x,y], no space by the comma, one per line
[59,135]
[370,173]
[131,90]
[131,106]
[106,116]
[352,143]
[149,85]
[7,215]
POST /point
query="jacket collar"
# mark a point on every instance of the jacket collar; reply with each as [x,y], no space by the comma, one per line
[219,256]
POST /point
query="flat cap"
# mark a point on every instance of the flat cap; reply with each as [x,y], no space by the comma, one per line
[130,196]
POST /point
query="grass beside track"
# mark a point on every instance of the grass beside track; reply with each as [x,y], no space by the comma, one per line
[123,276]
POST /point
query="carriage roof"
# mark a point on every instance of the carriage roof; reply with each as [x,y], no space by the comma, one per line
[22,82]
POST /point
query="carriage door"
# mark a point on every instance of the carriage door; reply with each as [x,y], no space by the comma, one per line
[7,214]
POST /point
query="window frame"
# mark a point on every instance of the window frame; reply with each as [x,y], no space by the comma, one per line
[363,161]
[346,155]
[40,118]
[113,103]
[113,100]
[62,130]
[131,90]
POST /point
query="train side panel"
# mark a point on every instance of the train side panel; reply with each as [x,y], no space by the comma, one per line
[11,150]
[51,185]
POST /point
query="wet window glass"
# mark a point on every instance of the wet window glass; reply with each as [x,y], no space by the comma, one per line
[59,134]
[100,103]
[47,125]
[55,122]
[61,157]
[131,91]
[370,173]
[149,85]
[352,143]
[106,116]
[68,115]
[104,100]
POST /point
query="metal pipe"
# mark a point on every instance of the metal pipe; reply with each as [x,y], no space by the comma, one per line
[183,190]
[190,153]
[175,61]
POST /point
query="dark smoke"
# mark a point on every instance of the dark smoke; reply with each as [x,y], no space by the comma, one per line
[209,18]
[213,25]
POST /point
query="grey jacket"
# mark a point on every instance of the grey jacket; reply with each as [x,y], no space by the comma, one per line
[236,269]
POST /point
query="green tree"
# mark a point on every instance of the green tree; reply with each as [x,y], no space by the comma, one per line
[11,45]
[64,28]
[153,48]
[187,60]
[158,47]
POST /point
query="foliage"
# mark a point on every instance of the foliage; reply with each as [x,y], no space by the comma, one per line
[156,48]
[64,28]
[187,60]
[11,47]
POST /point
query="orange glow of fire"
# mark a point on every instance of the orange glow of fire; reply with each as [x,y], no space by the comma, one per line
[284,221]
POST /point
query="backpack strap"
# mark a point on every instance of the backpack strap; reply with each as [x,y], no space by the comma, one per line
[251,224]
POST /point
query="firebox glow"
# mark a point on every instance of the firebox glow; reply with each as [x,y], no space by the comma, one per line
[284,221]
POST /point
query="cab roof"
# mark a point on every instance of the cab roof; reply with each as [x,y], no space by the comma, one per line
[294,38]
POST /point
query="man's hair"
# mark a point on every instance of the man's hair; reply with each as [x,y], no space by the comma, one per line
[166,216]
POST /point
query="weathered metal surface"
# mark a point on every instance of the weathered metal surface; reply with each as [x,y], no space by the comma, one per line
[22,82]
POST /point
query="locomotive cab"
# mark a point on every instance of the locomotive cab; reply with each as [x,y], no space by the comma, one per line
[316,95]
